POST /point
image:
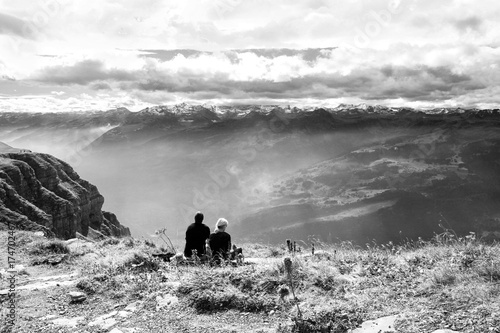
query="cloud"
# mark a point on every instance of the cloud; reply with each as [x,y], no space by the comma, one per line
[310,54]
[286,74]
[7,78]
[11,25]
[231,50]
[58,93]
[100,86]
[84,72]
[472,23]
[80,102]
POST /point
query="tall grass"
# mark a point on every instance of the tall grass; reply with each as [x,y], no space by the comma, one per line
[333,290]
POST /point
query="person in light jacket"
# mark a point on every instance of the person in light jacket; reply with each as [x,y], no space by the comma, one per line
[220,240]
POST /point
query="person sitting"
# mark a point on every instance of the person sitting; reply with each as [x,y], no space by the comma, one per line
[220,241]
[196,235]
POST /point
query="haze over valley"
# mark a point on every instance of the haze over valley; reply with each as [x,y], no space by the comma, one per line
[358,173]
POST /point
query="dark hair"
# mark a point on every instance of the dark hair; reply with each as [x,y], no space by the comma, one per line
[198,218]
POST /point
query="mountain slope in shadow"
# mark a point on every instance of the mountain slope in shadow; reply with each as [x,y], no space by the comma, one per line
[408,187]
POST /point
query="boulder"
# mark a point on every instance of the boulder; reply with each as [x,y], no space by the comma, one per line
[77,297]
[105,322]
[70,322]
[165,301]
[384,324]
[132,307]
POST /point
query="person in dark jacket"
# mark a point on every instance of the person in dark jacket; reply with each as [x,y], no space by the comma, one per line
[220,240]
[196,236]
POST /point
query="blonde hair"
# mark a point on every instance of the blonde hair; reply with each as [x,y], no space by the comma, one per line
[222,222]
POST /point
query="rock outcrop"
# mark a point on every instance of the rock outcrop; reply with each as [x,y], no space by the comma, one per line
[41,192]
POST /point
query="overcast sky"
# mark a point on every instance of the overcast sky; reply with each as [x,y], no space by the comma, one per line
[63,55]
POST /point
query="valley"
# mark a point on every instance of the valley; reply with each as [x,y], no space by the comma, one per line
[358,173]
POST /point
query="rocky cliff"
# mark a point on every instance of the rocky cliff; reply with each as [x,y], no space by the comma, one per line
[41,192]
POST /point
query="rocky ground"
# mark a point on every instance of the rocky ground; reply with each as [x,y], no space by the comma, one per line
[444,285]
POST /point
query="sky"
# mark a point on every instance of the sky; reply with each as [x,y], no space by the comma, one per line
[73,55]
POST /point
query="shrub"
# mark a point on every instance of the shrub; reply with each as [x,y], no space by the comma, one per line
[149,243]
[332,320]
[490,270]
[87,285]
[326,283]
[276,252]
[23,238]
[205,301]
[444,276]
[128,242]
[225,289]
[101,277]
[142,262]
[52,246]
[110,241]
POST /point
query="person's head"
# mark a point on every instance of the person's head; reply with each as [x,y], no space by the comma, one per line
[221,225]
[198,218]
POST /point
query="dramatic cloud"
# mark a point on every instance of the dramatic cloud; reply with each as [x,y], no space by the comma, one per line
[13,25]
[472,23]
[283,74]
[84,72]
[398,52]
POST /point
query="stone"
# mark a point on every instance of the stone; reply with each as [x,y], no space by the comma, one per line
[79,246]
[47,317]
[96,235]
[130,330]
[132,307]
[105,324]
[71,241]
[445,331]
[106,316]
[70,322]
[77,297]
[172,284]
[18,269]
[124,314]
[115,330]
[106,321]
[44,284]
[83,238]
[166,301]
[4,294]
[384,324]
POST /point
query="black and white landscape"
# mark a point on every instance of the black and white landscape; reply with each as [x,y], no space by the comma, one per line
[353,120]
[353,147]
[358,173]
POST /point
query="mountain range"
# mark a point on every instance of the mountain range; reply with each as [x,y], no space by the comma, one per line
[353,172]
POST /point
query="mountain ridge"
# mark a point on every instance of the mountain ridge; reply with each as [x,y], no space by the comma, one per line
[40,192]
[225,160]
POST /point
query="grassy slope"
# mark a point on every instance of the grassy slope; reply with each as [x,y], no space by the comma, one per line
[446,283]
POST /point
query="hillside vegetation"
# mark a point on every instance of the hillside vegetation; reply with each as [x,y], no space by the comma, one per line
[448,282]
